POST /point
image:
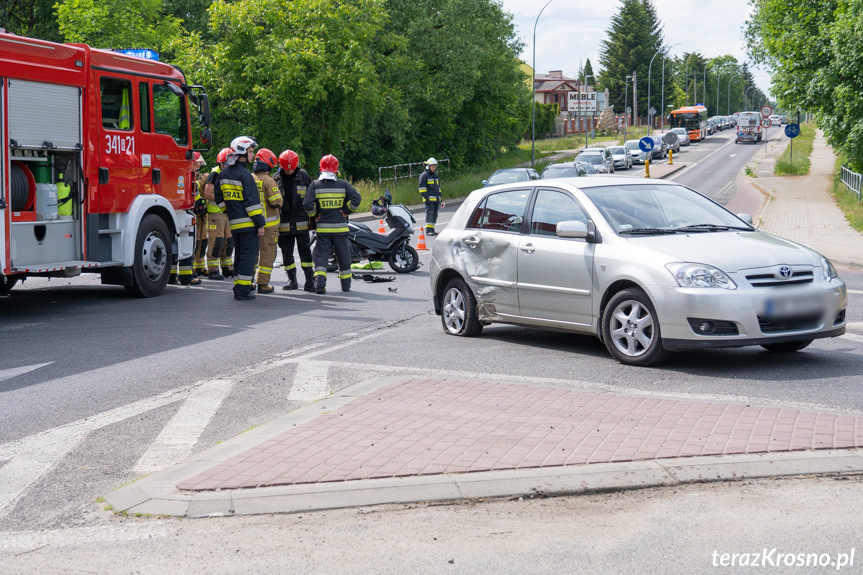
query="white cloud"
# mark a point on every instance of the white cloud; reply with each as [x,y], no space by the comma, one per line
[569,32]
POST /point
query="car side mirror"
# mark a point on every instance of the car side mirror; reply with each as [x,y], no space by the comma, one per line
[571,229]
[484,182]
[746,218]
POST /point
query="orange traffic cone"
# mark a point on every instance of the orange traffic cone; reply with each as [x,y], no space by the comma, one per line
[381,229]
[421,243]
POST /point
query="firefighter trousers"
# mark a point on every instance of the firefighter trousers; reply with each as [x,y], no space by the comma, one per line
[432,204]
[246,246]
[202,231]
[267,254]
[220,243]
[286,244]
[324,245]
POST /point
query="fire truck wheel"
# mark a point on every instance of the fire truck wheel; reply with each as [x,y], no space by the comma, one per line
[6,284]
[152,258]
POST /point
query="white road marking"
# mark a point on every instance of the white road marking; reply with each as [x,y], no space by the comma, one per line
[311,381]
[852,337]
[75,536]
[16,371]
[179,437]
[30,458]
[855,291]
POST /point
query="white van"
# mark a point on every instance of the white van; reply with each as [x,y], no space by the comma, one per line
[748,127]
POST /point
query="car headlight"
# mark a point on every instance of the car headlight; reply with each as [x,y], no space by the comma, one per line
[828,269]
[700,275]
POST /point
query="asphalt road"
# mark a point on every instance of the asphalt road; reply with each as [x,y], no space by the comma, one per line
[99,388]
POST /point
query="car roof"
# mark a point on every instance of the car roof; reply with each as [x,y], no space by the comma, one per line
[594,181]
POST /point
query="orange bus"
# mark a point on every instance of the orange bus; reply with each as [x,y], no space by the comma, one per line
[693,119]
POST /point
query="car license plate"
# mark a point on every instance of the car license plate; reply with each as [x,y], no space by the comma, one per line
[792,306]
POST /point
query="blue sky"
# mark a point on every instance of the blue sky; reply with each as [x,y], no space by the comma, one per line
[571,31]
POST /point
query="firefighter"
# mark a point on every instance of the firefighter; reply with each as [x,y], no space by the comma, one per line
[185,270]
[328,202]
[430,191]
[236,190]
[294,227]
[271,199]
[219,238]
[201,227]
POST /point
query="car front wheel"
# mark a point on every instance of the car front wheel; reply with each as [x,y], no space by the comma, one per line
[631,330]
[458,312]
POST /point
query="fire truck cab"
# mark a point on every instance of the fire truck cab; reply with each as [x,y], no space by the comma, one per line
[95,164]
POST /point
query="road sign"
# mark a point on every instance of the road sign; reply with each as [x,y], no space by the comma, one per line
[766,122]
[792,130]
[670,138]
[629,109]
[646,144]
[652,111]
[766,110]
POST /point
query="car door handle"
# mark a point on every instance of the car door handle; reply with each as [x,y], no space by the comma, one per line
[528,248]
[471,241]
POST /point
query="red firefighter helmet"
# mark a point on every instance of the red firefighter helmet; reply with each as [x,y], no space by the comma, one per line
[197,158]
[223,155]
[289,160]
[267,156]
[329,163]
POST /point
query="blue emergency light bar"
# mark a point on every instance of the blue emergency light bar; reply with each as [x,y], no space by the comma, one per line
[145,53]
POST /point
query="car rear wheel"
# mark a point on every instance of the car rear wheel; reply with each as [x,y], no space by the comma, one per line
[631,329]
[152,264]
[787,347]
[458,312]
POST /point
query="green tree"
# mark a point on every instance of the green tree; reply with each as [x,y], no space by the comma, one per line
[111,24]
[587,75]
[634,37]
[812,50]
[34,18]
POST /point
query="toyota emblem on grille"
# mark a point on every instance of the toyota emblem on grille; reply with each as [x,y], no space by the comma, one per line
[784,272]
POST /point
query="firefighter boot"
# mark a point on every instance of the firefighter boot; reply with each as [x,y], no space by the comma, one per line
[309,285]
[320,284]
[215,275]
[292,280]
[265,288]
[346,284]
[172,279]
[228,272]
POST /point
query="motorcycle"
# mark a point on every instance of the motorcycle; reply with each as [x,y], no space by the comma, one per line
[394,247]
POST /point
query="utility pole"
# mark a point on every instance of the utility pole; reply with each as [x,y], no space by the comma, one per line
[635,97]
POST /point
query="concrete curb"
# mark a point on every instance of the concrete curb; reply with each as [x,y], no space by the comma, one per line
[157,494]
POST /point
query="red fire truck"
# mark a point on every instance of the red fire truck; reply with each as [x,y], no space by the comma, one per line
[95,164]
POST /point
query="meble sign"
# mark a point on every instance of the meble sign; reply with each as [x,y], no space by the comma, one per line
[582,102]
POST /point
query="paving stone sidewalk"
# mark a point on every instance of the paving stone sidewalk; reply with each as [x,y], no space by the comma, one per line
[433,426]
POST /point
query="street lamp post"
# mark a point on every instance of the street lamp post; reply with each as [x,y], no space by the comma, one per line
[728,97]
[586,76]
[718,76]
[533,92]
[746,96]
[625,104]
[649,69]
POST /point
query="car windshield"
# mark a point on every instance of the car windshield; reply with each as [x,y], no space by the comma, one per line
[631,145]
[507,177]
[617,150]
[595,159]
[587,168]
[661,209]
[678,130]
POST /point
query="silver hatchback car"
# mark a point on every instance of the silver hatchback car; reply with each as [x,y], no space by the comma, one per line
[648,266]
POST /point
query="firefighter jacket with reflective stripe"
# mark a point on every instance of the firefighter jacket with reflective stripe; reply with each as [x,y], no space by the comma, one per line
[212,207]
[430,186]
[294,218]
[271,198]
[236,188]
[329,202]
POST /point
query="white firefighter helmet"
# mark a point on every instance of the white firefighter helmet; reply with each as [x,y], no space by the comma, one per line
[241,145]
[431,162]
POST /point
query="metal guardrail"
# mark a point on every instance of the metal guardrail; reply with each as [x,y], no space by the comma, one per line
[398,171]
[853,181]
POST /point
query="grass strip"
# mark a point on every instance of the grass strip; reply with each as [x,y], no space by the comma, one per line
[798,164]
[846,199]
